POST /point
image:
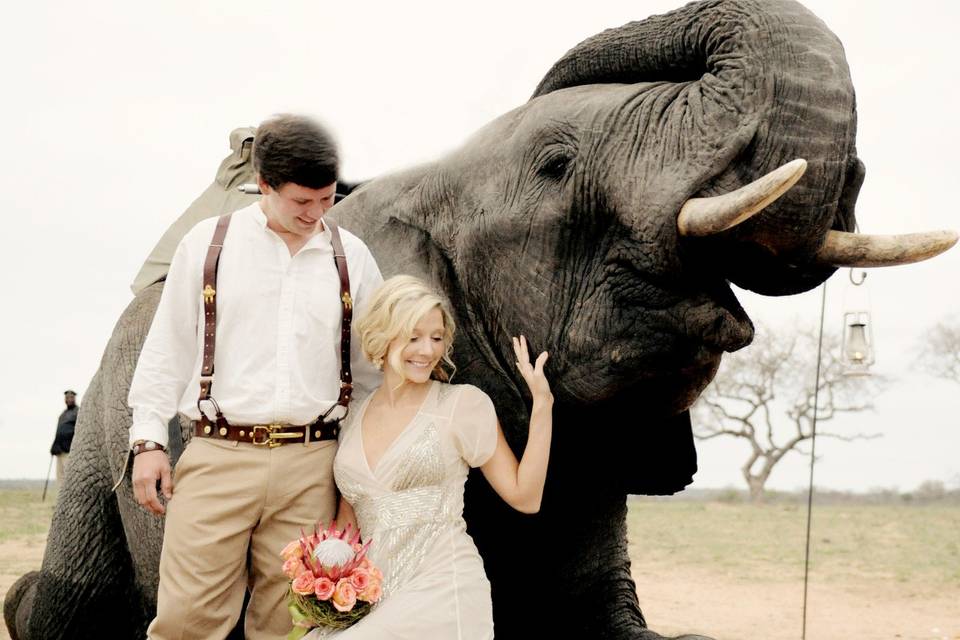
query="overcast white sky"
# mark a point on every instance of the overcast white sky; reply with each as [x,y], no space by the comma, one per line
[116,116]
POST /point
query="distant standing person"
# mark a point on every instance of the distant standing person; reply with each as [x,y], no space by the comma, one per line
[64,437]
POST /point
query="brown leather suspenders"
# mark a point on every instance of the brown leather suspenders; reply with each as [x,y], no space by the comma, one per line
[210,269]
[346,303]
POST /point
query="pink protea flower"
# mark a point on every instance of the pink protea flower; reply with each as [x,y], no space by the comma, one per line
[333,552]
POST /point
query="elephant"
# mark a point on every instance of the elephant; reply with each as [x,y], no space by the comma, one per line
[605,218]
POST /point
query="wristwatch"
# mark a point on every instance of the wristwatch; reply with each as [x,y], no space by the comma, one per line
[146,445]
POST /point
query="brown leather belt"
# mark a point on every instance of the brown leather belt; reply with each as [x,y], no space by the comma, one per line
[267,435]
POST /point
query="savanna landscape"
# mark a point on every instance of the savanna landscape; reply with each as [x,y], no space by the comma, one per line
[884,565]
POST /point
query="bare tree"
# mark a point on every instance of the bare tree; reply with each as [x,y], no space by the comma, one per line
[940,350]
[765,395]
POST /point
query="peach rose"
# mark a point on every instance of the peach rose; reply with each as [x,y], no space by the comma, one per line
[303,583]
[292,550]
[373,592]
[323,588]
[344,596]
[360,579]
[292,567]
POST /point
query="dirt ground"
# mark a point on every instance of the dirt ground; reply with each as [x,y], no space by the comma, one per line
[18,556]
[678,600]
[880,573]
[688,601]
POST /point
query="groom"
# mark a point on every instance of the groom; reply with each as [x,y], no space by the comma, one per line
[258,297]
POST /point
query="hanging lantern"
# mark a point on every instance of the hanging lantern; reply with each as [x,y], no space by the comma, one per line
[857,350]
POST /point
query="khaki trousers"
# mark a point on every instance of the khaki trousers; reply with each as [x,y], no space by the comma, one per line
[234,508]
[61,467]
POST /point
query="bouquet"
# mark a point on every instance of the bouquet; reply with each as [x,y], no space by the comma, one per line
[332,581]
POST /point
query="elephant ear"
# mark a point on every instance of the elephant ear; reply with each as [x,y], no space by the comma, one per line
[741,87]
[219,198]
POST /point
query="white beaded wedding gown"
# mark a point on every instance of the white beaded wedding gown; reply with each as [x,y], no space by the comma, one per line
[411,506]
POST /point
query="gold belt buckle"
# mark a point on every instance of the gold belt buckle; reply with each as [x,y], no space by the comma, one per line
[272,439]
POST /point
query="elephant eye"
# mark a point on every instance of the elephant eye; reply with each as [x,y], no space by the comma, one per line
[555,166]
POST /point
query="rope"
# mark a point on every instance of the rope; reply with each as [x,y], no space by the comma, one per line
[813,452]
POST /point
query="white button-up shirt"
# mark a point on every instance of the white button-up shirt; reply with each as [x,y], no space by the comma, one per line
[278,329]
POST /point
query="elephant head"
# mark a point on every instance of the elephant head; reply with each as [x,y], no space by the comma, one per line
[606,216]
[605,219]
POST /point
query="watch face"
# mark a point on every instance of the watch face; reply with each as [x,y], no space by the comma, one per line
[149,445]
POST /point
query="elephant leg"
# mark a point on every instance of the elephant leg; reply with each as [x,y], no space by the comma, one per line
[86,587]
[565,576]
[566,570]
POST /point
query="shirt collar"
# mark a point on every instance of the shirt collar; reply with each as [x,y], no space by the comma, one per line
[258,215]
[321,239]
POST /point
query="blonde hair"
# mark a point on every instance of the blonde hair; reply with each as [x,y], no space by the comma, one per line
[393,312]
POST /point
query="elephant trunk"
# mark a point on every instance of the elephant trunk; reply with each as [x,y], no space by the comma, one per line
[748,86]
[18,604]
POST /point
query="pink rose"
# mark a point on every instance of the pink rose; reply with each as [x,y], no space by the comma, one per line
[344,596]
[360,579]
[292,567]
[323,588]
[292,550]
[373,592]
[303,583]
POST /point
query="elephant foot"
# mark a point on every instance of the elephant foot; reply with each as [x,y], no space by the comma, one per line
[18,604]
[648,634]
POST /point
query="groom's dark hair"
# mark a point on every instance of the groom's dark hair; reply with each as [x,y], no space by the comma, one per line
[292,148]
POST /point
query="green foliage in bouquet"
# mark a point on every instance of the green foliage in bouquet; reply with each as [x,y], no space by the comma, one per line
[309,612]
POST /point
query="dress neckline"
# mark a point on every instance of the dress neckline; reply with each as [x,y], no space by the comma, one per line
[400,434]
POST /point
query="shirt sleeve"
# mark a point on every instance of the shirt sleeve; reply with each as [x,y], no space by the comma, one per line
[474,426]
[164,367]
[366,377]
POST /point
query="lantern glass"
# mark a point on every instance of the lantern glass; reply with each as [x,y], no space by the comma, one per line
[857,352]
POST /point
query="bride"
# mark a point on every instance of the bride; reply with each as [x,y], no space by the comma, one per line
[403,459]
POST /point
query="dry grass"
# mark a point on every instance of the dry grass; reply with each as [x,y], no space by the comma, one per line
[758,542]
[733,571]
[24,521]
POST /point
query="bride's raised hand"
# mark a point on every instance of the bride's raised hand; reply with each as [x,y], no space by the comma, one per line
[532,373]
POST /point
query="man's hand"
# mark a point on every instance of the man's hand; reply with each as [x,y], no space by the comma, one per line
[148,467]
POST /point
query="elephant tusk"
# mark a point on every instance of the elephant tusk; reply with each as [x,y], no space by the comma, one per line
[843,249]
[707,216]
